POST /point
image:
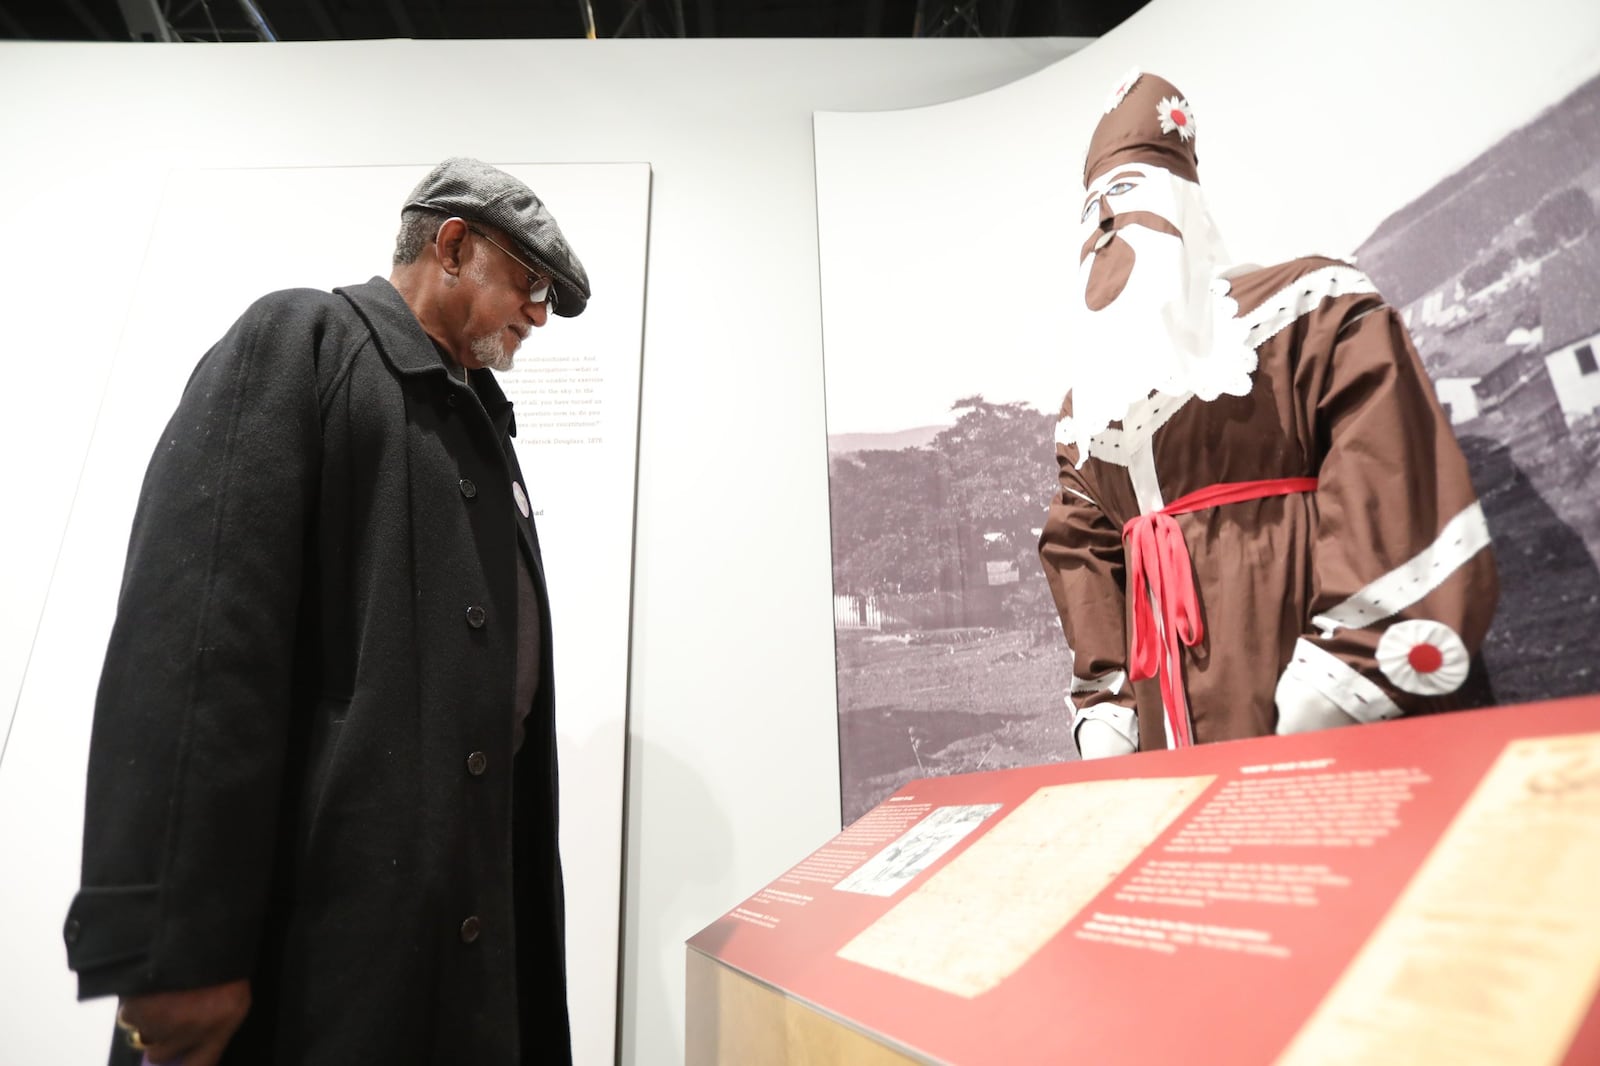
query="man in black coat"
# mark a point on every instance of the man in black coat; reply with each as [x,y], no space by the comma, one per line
[322,800]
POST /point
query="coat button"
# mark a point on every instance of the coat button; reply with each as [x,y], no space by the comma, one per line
[475,616]
[468,489]
[450,398]
[470,929]
[477,763]
[73,930]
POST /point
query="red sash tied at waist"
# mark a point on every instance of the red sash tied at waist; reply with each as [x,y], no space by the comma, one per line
[1166,608]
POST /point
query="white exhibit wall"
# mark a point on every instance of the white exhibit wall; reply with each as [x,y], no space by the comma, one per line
[732,744]
[604,209]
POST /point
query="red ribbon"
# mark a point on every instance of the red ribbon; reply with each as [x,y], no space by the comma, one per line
[1166,608]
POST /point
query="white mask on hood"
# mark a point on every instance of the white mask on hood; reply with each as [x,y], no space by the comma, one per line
[1164,321]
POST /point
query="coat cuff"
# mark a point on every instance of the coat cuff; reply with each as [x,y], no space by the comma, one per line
[108,933]
[112,935]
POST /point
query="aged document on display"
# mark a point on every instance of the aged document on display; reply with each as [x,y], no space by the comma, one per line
[1492,952]
[975,922]
[919,848]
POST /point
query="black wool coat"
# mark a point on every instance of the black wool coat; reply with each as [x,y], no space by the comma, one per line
[302,767]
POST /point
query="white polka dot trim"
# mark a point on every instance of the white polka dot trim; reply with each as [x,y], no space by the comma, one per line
[1139,425]
[1066,432]
[1423,657]
[1301,297]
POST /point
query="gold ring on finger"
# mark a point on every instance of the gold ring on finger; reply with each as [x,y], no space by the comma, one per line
[130,1032]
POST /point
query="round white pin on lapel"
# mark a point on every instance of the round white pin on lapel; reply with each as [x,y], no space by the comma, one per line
[521,498]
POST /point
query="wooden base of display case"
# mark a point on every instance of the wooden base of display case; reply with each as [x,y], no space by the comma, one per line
[737,1021]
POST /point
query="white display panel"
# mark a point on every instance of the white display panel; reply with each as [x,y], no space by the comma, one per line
[222,238]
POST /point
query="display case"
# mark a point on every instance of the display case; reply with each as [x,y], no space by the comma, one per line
[1413,891]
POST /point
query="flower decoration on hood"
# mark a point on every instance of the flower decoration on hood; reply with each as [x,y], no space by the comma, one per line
[1121,90]
[1175,114]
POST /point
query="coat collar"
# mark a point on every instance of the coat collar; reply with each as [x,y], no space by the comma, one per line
[410,351]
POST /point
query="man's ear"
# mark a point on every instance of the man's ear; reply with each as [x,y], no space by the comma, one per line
[447,244]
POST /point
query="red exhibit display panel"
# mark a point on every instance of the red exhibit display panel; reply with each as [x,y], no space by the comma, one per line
[1424,890]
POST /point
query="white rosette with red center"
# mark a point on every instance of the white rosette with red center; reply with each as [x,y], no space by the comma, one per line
[1176,115]
[1423,657]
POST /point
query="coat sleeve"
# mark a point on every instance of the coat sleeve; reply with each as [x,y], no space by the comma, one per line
[1080,549]
[192,711]
[1403,577]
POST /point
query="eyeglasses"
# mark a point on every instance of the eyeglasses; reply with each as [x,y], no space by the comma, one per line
[540,288]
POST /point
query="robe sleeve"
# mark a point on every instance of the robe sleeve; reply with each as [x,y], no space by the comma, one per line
[192,712]
[1080,549]
[1403,577]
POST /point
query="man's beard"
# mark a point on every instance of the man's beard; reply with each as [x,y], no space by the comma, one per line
[491,351]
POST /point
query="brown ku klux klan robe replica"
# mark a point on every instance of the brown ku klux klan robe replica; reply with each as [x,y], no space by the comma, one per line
[1265,523]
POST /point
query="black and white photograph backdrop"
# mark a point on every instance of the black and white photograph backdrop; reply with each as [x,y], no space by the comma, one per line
[1452,150]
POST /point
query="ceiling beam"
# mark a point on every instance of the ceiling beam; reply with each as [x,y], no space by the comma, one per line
[627,19]
[183,33]
[258,22]
[145,21]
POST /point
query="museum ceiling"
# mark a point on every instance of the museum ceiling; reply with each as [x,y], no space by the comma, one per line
[320,20]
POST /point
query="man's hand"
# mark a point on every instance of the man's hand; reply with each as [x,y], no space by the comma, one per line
[192,1027]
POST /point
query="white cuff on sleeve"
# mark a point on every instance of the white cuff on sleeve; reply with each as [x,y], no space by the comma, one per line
[1319,690]
[1115,730]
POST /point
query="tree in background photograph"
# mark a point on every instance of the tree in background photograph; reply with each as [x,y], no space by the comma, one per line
[890,534]
[1563,216]
[949,656]
[998,493]
[957,518]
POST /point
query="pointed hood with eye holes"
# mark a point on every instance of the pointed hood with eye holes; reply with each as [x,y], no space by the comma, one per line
[1152,315]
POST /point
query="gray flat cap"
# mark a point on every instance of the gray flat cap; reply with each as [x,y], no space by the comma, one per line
[481,193]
